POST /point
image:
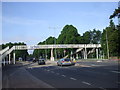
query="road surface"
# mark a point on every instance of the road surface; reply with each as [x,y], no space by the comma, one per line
[100,75]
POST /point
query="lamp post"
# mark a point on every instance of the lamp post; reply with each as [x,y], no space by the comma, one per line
[45,52]
[54,28]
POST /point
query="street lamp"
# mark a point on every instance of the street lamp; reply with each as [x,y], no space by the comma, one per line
[54,28]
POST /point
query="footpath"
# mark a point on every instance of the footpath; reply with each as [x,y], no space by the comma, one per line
[16,76]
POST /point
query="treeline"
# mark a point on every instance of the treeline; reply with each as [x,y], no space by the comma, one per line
[109,40]
[19,53]
[69,35]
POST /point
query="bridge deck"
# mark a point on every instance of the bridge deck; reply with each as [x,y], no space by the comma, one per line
[22,47]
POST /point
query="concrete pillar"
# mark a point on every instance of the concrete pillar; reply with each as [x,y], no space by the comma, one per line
[71,55]
[4,62]
[9,58]
[97,53]
[52,58]
[76,56]
[14,58]
[85,53]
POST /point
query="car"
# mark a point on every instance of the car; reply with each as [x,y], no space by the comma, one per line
[41,62]
[34,60]
[20,59]
[65,61]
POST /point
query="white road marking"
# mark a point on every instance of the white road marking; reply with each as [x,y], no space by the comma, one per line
[86,83]
[30,67]
[115,71]
[65,67]
[102,88]
[63,75]
[96,65]
[73,78]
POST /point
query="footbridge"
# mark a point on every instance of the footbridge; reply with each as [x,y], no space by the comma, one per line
[5,54]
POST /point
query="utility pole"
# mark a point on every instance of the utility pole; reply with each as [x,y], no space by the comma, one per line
[107,45]
[45,51]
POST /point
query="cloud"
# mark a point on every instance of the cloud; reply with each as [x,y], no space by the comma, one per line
[23,21]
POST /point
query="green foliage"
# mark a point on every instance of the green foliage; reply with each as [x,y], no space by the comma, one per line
[19,53]
[115,13]
[41,53]
[87,37]
[69,35]
[92,37]
[113,35]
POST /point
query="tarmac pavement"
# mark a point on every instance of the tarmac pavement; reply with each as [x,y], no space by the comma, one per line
[16,76]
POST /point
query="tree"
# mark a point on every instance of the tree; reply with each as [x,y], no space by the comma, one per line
[112,33]
[86,37]
[19,53]
[68,35]
[41,52]
[115,14]
[91,37]
[95,36]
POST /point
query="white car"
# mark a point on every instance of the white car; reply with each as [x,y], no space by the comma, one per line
[65,61]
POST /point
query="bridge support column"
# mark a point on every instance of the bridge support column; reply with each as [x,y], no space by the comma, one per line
[97,53]
[4,61]
[52,58]
[9,58]
[71,55]
[76,56]
[85,53]
[14,58]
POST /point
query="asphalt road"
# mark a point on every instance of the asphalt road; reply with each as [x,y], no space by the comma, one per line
[100,75]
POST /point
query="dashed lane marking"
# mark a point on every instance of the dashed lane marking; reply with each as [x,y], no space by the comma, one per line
[115,71]
[102,88]
[73,78]
[86,83]
[63,75]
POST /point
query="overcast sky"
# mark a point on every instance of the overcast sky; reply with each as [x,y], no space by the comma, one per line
[29,22]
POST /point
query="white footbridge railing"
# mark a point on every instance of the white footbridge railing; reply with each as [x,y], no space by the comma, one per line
[6,52]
